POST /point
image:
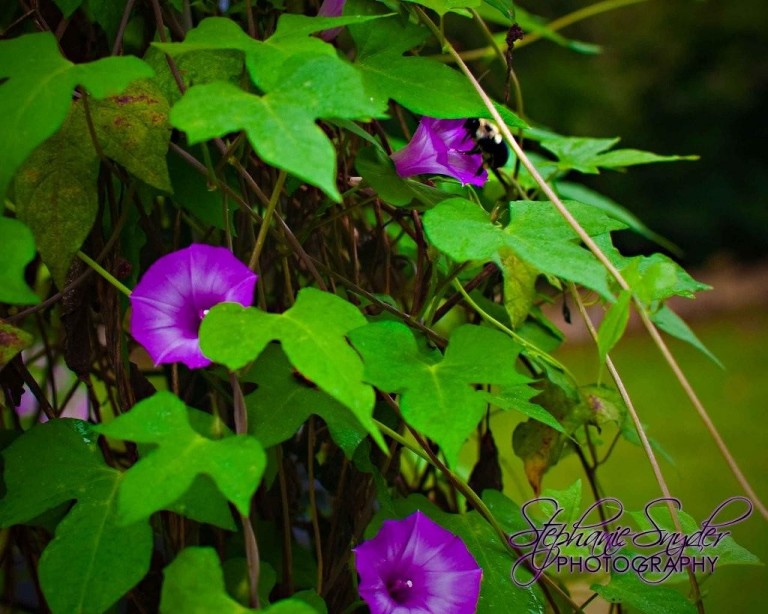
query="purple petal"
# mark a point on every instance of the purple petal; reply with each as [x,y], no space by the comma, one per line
[441,146]
[421,154]
[416,566]
[465,167]
[452,132]
[177,291]
[331,8]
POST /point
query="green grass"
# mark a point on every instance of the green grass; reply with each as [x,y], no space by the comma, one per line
[737,400]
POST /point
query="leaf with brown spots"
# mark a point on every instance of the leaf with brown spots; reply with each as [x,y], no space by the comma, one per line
[56,193]
[540,446]
[36,85]
[12,341]
[133,130]
[605,404]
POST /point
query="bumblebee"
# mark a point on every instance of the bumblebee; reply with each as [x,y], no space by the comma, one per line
[488,141]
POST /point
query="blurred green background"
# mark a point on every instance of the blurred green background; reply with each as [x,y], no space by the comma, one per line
[674,76]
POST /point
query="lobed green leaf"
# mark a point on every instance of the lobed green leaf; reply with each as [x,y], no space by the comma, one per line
[441,7]
[578,192]
[588,155]
[672,324]
[281,125]
[438,397]
[536,234]
[312,334]
[235,464]
[425,86]
[282,403]
[519,399]
[629,590]
[93,559]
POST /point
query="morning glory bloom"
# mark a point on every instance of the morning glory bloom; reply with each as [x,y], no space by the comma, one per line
[331,8]
[415,566]
[176,292]
[441,146]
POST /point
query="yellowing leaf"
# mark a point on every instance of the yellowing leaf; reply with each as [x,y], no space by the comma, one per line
[133,130]
[519,286]
[12,341]
[56,193]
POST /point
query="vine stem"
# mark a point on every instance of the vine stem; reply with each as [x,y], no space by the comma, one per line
[489,36]
[583,13]
[311,439]
[289,237]
[104,273]
[86,274]
[262,236]
[593,247]
[554,26]
[286,519]
[641,434]
[251,545]
[117,47]
[91,263]
[532,349]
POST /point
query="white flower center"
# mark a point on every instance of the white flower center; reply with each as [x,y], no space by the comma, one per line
[400,590]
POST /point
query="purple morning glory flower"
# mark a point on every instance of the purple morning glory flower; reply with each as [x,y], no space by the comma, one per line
[415,566]
[331,8]
[441,146]
[176,292]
